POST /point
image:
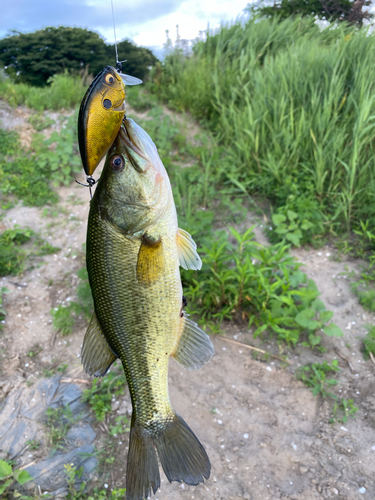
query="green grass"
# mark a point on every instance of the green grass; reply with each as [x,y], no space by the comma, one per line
[72,474]
[318,377]
[28,175]
[58,421]
[99,396]
[369,342]
[294,107]
[63,91]
[263,286]
[364,285]
[22,248]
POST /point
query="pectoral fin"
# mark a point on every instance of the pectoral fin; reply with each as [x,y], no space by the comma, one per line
[194,347]
[187,251]
[96,354]
[150,262]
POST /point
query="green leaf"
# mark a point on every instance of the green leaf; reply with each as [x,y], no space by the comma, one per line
[259,330]
[311,285]
[292,215]
[332,330]
[306,225]
[314,339]
[293,238]
[318,306]
[325,316]
[277,219]
[304,318]
[22,476]
[4,486]
[5,469]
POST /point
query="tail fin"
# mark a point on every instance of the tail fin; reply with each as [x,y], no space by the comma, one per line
[182,457]
[142,473]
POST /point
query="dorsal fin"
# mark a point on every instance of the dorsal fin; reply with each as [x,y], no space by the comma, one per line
[96,354]
[194,347]
[187,251]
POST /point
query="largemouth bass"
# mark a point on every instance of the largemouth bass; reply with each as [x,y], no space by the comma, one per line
[100,115]
[134,249]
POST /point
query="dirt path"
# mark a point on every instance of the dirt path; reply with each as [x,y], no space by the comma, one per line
[267,436]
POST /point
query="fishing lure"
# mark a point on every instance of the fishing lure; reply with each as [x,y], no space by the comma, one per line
[101,114]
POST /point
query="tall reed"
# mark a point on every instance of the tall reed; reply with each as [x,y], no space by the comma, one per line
[292,104]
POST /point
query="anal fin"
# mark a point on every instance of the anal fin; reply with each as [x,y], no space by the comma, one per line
[96,355]
[194,347]
[187,251]
[150,262]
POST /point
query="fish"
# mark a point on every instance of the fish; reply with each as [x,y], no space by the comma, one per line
[134,250]
[100,115]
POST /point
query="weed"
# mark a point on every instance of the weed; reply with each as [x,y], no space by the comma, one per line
[315,377]
[33,444]
[121,426]
[48,372]
[369,342]
[346,407]
[299,221]
[9,476]
[288,128]
[99,396]
[13,257]
[63,319]
[2,310]
[73,475]
[139,99]
[39,121]
[62,368]
[364,286]
[35,350]
[262,285]
[58,422]
[64,91]
[28,175]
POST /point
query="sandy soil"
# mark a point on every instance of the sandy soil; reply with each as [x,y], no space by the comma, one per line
[267,436]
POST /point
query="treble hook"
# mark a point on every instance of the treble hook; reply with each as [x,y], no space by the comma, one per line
[90,182]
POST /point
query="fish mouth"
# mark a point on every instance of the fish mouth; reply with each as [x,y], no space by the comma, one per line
[128,139]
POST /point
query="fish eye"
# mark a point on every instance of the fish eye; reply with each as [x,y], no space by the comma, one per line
[109,78]
[117,162]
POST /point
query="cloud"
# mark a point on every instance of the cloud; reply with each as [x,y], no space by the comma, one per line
[29,15]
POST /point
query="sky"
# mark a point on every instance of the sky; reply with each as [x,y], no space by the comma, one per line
[142,21]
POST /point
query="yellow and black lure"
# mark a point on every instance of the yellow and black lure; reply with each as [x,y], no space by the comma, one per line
[100,116]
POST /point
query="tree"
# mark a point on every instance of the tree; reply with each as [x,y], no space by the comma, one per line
[34,57]
[329,10]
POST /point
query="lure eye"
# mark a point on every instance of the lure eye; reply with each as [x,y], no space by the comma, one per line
[109,78]
[117,162]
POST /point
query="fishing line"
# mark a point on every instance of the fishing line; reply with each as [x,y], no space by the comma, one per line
[114,31]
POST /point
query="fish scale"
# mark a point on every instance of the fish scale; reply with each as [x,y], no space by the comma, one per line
[145,311]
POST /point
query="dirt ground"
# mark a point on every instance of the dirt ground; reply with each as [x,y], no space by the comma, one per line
[267,436]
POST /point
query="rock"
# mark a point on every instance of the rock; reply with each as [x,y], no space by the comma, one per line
[303,469]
